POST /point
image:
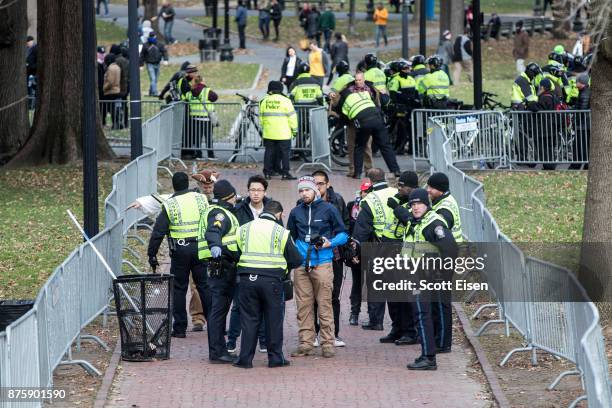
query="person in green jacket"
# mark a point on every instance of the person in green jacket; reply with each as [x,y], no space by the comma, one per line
[327,24]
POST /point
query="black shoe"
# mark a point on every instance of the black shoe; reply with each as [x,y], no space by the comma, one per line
[285,363]
[239,365]
[423,363]
[406,340]
[268,176]
[179,335]
[354,320]
[226,359]
[397,174]
[373,326]
[442,350]
[389,338]
[288,176]
[275,173]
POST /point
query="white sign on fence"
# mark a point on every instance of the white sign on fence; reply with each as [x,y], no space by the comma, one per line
[466,124]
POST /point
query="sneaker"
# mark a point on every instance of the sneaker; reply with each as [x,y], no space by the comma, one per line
[263,349]
[231,346]
[198,327]
[316,343]
[339,342]
[328,351]
[302,351]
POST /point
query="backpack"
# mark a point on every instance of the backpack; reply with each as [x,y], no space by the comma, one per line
[154,54]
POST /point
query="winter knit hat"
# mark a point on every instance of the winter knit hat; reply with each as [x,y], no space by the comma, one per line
[224,190]
[307,182]
[275,87]
[180,181]
[419,195]
[439,181]
[408,179]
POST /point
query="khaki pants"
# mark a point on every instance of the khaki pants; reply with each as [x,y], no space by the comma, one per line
[316,284]
[350,145]
[467,66]
[195,305]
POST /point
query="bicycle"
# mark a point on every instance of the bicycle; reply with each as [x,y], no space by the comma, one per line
[490,103]
[250,122]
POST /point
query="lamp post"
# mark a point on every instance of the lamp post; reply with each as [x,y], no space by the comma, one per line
[422,28]
[477,57]
[405,29]
[226,48]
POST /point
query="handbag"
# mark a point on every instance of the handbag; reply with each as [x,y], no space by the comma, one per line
[288,287]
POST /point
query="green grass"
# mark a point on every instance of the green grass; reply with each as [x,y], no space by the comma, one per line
[109,33]
[36,234]
[537,206]
[507,6]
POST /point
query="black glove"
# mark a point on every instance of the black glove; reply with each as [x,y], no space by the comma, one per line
[392,202]
[153,262]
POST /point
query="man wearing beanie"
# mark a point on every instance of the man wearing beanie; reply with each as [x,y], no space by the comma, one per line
[279,124]
[445,205]
[179,218]
[317,228]
[216,243]
[403,330]
[375,224]
[427,226]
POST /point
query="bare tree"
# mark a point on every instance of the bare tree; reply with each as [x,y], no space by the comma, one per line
[55,136]
[561,11]
[13,103]
[452,13]
[150,11]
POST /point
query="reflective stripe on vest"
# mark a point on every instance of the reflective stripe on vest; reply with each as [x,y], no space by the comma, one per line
[262,244]
[228,240]
[277,117]
[377,78]
[341,82]
[415,244]
[356,102]
[184,213]
[382,215]
[198,105]
[451,205]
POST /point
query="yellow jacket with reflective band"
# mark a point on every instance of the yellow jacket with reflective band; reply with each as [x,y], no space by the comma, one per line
[415,244]
[228,240]
[356,102]
[184,213]
[378,79]
[449,203]
[382,215]
[262,244]
[523,90]
[397,83]
[277,117]
[306,93]
[435,84]
[198,105]
[572,91]
[341,82]
[178,86]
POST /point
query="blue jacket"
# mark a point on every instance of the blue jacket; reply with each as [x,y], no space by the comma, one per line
[241,16]
[318,218]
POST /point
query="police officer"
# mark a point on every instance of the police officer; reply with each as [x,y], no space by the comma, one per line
[445,205]
[434,87]
[357,102]
[279,124]
[305,90]
[217,241]
[404,97]
[267,252]
[375,224]
[374,74]
[179,219]
[524,94]
[344,77]
[201,108]
[427,230]
[419,70]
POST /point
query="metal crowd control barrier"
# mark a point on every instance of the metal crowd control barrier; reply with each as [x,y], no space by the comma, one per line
[419,119]
[319,139]
[303,141]
[567,329]
[116,120]
[549,138]
[79,289]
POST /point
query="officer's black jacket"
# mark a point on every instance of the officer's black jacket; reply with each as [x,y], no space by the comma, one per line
[292,256]
[364,226]
[161,228]
[218,224]
[444,212]
[419,72]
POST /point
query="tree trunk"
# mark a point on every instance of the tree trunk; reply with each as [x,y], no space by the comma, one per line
[55,136]
[596,256]
[457,16]
[561,19]
[150,11]
[32,17]
[445,16]
[13,104]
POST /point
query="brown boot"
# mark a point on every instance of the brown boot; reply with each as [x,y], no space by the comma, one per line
[328,351]
[302,351]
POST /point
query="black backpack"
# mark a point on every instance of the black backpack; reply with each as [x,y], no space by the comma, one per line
[153,54]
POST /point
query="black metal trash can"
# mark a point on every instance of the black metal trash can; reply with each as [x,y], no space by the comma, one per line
[144,307]
[11,310]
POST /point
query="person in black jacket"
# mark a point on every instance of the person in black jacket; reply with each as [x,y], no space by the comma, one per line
[290,68]
[328,194]
[338,52]
[276,14]
[546,125]
[583,127]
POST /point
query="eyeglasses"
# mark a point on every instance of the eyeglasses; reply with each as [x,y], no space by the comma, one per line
[256,190]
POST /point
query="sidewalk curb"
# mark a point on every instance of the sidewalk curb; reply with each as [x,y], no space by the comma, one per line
[109,375]
[498,393]
[257,78]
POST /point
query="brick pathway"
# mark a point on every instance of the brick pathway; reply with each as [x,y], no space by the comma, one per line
[363,374]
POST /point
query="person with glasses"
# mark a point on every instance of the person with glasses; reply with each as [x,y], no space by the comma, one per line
[248,210]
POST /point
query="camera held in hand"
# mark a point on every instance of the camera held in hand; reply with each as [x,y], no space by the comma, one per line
[317,241]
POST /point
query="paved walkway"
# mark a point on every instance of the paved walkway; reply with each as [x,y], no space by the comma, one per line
[363,374]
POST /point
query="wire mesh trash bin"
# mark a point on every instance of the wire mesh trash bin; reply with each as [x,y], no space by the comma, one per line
[11,310]
[144,306]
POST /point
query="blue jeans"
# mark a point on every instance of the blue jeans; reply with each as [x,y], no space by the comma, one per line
[153,70]
[234,325]
[168,31]
[381,30]
[105,2]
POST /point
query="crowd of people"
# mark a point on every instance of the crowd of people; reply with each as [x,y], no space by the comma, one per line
[241,260]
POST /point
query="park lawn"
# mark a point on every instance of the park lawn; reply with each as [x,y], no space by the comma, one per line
[108,33]
[537,206]
[36,234]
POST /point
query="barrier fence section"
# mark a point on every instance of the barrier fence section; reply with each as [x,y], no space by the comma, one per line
[319,139]
[79,289]
[568,329]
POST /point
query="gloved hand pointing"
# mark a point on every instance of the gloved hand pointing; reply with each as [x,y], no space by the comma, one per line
[215,252]
[392,202]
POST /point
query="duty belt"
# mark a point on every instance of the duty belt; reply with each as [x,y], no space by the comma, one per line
[184,241]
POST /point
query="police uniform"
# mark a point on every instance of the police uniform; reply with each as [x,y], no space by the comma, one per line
[200,112]
[404,96]
[418,73]
[427,235]
[218,229]
[267,252]
[305,90]
[378,79]
[434,88]
[341,82]
[279,124]
[359,107]
[179,219]
[523,92]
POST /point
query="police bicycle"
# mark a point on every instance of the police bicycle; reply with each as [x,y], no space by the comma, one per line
[249,125]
